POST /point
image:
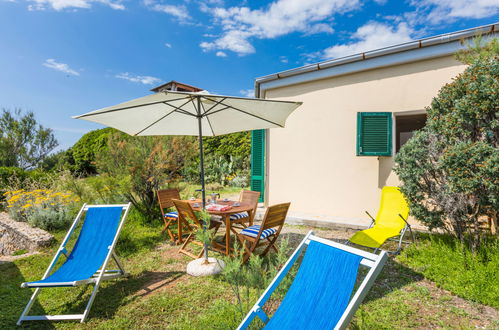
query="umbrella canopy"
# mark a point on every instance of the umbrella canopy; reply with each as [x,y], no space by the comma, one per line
[177,113]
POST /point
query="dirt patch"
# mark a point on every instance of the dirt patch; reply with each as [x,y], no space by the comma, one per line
[452,308]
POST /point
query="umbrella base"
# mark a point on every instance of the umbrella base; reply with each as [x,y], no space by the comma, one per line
[199,268]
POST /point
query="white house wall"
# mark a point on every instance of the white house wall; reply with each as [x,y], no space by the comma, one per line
[312,162]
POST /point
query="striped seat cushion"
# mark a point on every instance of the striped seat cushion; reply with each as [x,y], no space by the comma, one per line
[238,216]
[253,231]
[173,214]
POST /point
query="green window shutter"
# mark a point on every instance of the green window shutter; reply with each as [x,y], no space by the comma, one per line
[374,134]
[258,161]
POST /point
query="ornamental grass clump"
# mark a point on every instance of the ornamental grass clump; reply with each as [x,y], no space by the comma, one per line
[42,208]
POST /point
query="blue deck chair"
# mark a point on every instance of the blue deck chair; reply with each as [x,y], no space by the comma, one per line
[320,296]
[88,260]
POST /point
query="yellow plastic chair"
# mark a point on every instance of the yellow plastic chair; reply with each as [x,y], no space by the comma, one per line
[391,221]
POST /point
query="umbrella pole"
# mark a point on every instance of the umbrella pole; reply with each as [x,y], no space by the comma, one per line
[201,167]
[201,163]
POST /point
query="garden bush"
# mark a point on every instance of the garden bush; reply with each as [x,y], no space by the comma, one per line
[450,169]
[147,162]
[81,157]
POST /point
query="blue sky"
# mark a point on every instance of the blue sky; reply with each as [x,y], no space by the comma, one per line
[60,58]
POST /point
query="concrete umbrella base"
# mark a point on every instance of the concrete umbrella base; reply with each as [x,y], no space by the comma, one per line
[199,268]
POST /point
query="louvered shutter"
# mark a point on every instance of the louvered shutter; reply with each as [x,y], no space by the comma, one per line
[374,134]
[258,161]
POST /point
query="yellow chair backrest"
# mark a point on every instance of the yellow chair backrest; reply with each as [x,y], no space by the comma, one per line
[392,204]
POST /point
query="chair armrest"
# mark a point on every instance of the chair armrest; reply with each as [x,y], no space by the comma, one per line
[372,219]
[407,223]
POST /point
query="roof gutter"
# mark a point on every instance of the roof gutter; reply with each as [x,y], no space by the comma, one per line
[449,43]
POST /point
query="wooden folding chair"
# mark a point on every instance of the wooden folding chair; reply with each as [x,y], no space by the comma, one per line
[245,219]
[266,233]
[186,213]
[170,218]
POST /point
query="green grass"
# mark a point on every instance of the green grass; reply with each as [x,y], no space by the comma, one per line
[443,260]
[20,252]
[158,294]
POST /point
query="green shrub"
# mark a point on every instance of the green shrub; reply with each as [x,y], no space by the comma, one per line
[41,208]
[147,162]
[81,157]
[50,218]
[449,170]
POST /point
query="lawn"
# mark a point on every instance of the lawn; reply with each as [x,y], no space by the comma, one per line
[159,294]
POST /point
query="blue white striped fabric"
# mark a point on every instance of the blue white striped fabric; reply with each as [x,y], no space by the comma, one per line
[252,231]
[173,214]
[238,216]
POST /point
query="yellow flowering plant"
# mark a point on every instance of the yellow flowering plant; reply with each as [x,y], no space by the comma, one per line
[43,208]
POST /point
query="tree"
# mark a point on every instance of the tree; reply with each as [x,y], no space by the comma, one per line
[81,157]
[23,142]
[450,169]
[229,145]
[147,162]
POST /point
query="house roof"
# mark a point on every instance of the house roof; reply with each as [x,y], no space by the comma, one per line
[441,45]
[176,86]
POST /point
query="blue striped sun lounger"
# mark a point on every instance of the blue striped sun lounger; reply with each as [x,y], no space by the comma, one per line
[90,255]
[320,296]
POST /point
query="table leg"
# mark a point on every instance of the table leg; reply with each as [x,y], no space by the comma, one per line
[227,234]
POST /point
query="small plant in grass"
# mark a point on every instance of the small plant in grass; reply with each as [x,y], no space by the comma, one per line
[20,252]
[205,234]
[250,279]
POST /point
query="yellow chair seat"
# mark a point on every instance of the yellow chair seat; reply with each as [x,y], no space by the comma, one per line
[388,222]
[374,237]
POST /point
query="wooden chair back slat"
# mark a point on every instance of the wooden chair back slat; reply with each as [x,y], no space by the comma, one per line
[275,216]
[185,212]
[165,197]
[250,197]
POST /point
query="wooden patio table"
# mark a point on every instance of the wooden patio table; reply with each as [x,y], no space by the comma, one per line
[243,207]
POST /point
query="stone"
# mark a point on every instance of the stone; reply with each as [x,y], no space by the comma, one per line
[199,268]
[15,236]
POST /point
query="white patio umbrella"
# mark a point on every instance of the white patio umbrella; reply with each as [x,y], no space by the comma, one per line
[199,114]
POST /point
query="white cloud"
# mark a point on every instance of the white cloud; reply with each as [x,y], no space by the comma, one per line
[178,11]
[241,24]
[221,54]
[247,92]
[283,59]
[381,2]
[146,80]
[437,11]
[168,45]
[51,63]
[370,36]
[75,4]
